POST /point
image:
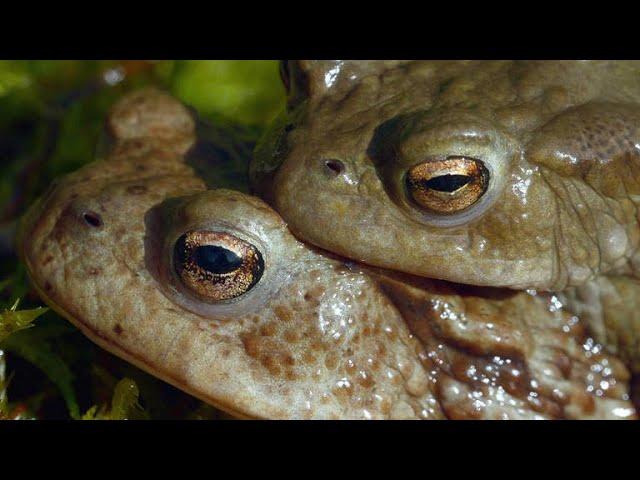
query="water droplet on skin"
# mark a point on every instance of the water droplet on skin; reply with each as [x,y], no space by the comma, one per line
[331,76]
[343,383]
[114,76]
[623,412]
[555,304]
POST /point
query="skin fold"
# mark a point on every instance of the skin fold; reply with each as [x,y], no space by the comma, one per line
[316,336]
[558,141]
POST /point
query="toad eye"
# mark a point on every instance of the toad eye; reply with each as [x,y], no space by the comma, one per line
[447,186]
[216,266]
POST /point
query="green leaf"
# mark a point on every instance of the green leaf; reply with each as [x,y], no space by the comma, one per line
[35,348]
[124,404]
[125,398]
[14,320]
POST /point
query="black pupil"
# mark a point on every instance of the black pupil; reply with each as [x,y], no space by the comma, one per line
[216,259]
[448,183]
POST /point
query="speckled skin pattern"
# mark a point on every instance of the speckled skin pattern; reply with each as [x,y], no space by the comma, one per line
[317,337]
[562,141]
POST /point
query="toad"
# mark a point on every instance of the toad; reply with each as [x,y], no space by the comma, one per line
[518,174]
[207,289]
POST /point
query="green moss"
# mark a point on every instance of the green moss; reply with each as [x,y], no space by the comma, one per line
[124,404]
[13,320]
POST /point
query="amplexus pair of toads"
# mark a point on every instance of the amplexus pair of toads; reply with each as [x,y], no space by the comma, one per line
[387,182]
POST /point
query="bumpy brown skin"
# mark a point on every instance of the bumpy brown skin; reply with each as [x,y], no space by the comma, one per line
[315,338]
[561,213]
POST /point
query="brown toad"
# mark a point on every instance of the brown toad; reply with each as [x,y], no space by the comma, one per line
[208,290]
[520,174]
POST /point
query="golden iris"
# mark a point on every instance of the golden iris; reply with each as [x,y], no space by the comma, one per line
[447,186]
[217,266]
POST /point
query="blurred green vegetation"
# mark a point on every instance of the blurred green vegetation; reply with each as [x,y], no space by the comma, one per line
[51,116]
[248,92]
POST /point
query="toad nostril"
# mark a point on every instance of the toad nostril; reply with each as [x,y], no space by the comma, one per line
[92,219]
[335,166]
